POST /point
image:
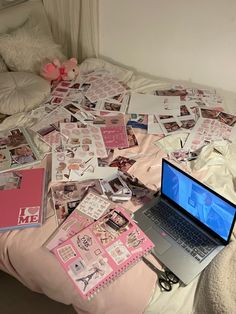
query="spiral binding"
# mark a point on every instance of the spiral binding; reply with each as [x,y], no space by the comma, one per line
[90,295]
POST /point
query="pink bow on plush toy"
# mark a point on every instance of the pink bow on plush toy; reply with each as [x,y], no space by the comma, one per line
[55,71]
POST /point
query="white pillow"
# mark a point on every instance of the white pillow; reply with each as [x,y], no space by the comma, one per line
[3,67]
[21,91]
[27,48]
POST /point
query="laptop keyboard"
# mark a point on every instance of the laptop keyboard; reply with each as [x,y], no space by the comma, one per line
[183,232]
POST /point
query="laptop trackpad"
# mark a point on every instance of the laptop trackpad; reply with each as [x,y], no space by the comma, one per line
[161,245]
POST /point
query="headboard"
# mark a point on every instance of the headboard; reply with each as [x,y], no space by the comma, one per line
[13,16]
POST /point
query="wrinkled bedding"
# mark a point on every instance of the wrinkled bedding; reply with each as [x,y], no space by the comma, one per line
[22,254]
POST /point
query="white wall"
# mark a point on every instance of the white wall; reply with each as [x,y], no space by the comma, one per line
[192,40]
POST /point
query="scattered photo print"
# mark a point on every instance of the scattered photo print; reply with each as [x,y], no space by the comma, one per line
[122,163]
[10,181]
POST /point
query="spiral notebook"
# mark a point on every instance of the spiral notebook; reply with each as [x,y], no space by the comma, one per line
[101,252]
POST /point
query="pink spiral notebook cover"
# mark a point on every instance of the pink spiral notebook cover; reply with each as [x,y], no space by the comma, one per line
[101,252]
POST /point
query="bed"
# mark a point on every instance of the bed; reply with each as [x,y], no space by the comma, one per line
[23,256]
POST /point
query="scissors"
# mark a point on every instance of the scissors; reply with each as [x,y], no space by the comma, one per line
[166,277]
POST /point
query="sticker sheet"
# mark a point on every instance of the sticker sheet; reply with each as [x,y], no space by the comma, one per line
[94,206]
[122,163]
[69,160]
[115,136]
[103,88]
[205,131]
[89,137]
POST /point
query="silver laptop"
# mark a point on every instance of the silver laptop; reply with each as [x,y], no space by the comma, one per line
[188,222]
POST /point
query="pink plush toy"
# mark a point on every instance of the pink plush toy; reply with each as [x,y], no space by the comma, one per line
[56,70]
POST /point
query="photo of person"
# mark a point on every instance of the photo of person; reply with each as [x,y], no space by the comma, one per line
[132,140]
[22,155]
[111,106]
[116,185]
[208,210]
[16,138]
[84,87]
[209,113]
[117,221]
[184,111]
[187,124]
[171,126]
[227,118]
[72,108]
[10,181]
[122,163]
[86,104]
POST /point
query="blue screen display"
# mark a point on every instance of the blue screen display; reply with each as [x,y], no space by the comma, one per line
[197,200]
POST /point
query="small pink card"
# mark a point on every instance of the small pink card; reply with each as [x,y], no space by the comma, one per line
[115,136]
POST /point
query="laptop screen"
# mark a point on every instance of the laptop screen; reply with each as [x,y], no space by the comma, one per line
[213,211]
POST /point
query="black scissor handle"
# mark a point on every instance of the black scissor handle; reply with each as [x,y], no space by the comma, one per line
[171,276]
[166,285]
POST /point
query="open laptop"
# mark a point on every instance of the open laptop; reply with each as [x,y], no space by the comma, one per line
[188,222]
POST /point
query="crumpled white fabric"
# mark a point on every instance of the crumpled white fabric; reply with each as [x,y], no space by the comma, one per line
[216,163]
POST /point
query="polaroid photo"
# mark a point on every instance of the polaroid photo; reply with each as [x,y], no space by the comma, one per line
[117,221]
[13,138]
[22,155]
[10,181]
[111,105]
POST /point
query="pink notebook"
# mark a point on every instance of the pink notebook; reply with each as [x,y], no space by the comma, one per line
[22,198]
[101,252]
